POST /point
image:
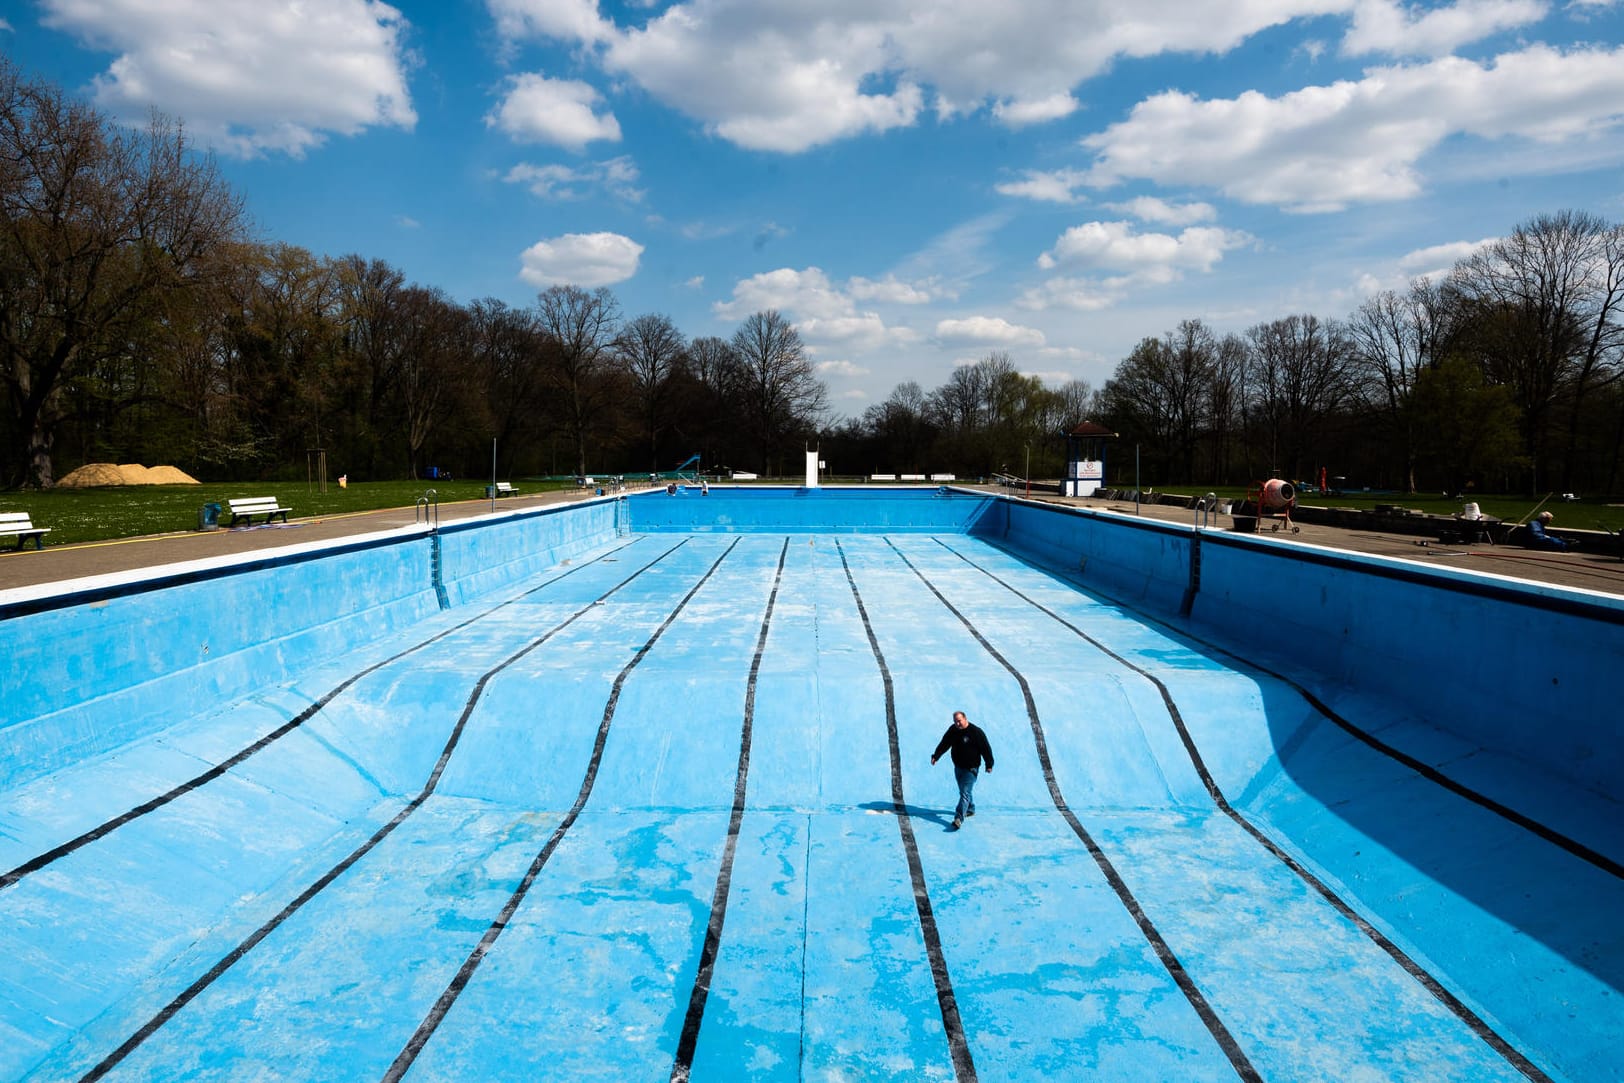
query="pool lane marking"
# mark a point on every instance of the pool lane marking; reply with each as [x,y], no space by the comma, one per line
[436,1015]
[187,995]
[1475,1023]
[964,1068]
[689,1041]
[1164,953]
[1609,865]
[56,853]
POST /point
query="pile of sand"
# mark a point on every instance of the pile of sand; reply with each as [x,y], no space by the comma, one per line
[97,474]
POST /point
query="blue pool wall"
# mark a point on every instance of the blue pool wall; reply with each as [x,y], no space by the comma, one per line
[97,664]
[1522,669]
[690,509]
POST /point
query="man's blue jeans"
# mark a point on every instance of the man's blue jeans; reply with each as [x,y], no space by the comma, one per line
[967,784]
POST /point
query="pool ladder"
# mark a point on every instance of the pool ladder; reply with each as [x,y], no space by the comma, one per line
[428,513]
[1206,511]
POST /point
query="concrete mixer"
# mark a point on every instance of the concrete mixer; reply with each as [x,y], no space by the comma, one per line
[1272,500]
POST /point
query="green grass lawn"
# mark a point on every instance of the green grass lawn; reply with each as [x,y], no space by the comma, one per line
[84,515]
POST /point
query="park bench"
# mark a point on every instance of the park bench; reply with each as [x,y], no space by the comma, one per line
[19,523]
[505,488]
[249,506]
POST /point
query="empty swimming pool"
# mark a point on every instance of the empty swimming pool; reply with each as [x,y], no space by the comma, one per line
[642,790]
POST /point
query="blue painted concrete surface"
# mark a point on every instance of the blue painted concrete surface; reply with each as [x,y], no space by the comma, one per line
[651,798]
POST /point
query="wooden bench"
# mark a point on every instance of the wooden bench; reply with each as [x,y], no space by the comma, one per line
[18,523]
[505,488]
[249,506]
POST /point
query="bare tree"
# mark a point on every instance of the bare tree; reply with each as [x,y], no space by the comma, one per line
[781,392]
[583,327]
[433,366]
[1394,337]
[377,337]
[99,225]
[507,349]
[1302,373]
[1538,303]
[650,348]
[1161,392]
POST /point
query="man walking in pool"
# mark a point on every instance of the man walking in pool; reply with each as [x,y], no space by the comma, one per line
[968,745]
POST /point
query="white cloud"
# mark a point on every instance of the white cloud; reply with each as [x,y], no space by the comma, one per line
[1385,26]
[1323,147]
[987,331]
[1151,209]
[1020,113]
[823,313]
[797,74]
[1156,256]
[1058,186]
[1077,294]
[891,290]
[697,282]
[249,76]
[537,109]
[1438,258]
[839,368]
[858,331]
[617,176]
[587,260]
[808,293]
[568,20]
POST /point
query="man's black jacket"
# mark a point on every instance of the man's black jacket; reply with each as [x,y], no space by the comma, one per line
[969,747]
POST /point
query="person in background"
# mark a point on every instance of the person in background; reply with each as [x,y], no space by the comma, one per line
[969,747]
[1538,539]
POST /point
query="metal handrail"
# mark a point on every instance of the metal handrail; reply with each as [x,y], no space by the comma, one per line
[429,501]
[1206,510]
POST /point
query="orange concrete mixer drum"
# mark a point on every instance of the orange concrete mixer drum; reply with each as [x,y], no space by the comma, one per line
[1278,494]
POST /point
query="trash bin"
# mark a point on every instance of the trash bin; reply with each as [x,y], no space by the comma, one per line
[490,492]
[208,517]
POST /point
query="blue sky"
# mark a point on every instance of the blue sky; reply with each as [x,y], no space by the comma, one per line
[915,183]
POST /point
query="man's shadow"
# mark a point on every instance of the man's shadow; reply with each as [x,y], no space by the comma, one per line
[913,812]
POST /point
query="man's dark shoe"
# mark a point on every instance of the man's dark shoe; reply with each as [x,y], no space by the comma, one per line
[972,812]
[956,825]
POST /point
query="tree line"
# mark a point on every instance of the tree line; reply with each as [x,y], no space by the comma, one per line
[141,322]
[1502,375]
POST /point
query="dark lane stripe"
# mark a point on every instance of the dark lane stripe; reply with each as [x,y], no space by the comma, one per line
[191,992]
[35,864]
[425,1030]
[1609,865]
[1226,1041]
[958,1046]
[724,876]
[1473,1021]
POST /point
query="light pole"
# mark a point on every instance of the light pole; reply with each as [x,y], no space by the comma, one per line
[1136,479]
[1028,471]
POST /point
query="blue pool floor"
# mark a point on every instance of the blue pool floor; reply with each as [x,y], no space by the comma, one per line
[668,810]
